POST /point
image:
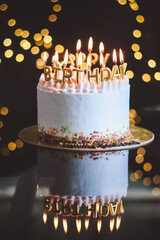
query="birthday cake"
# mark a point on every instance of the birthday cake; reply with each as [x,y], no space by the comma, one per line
[84,108]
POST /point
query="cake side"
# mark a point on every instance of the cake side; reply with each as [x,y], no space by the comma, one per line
[85,113]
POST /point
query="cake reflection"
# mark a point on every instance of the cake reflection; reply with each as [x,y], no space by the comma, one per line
[84,187]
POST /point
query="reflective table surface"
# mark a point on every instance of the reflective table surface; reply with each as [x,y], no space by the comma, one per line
[33,175]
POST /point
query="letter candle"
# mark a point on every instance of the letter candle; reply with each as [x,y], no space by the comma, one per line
[47,69]
[67,72]
[123,65]
[78,48]
[115,69]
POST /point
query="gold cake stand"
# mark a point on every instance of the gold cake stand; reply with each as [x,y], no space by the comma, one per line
[141,135]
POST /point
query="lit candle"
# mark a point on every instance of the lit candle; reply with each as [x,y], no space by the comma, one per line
[123,65]
[65,58]
[115,69]
[101,47]
[88,62]
[90,45]
[78,47]
[56,59]
[101,60]
[79,63]
[47,69]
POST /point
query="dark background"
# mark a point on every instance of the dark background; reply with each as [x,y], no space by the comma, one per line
[106,21]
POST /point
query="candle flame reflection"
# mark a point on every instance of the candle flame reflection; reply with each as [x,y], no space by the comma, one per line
[111,224]
[78,225]
[114,56]
[118,222]
[99,225]
[86,223]
[44,217]
[55,222]
[65,225]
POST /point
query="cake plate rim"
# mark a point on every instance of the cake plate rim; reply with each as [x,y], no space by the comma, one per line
[29,135]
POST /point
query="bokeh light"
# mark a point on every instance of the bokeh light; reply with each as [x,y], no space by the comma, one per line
[132,177]
[11,22]
[4,151]
[19,57]
[52,18]
[146,77]
[40,63]
[151,63]
[26,45]
[139,158]
[156,191]
[122,2]
[8,53]
[141,151]
[7,42]
[138,174]
[4,111]
[137,33]
[39,43]
[59,48]
[48,45]
[132,113]
[1,124]
[157,76]
[44,32]
[35,50]
[130,74]
[18,32]
[3,7]
[57,7]
[156,179]
[140,18]
[19,143]
[25,34]
[147,181]
[11,146]
[147,167]
[37,37]
[42,54]
[134,6]
[47,39]
[135,47]
[54,1]
[138,55]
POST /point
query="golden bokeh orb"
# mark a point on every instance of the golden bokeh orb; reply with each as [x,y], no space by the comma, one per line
[138,174]
[26,45]
[130,74]
[132,177]
[137,33]
[157,76]
[147,181]
[19,57]
[4,111]
[42,54]
[18,32]
[151,63]
[25,34]
[139,158]
[135,47]
[47,39]
[122,2]
[146,77]
[11,22]
[39,43]
[39,63]
[147,167]
[48,45]
[3,7]
[11,146]
[37,37]
[7,42]
[59,48]
[52,18]
[35,50]
[19,143]
[140,18]
[8,53]
[156,191]
[54,1]
[134,6]
[1,124]
[141,151]
[57,7]
[156,179]
[138,55]
[44,32]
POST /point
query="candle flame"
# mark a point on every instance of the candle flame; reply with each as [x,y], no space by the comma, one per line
[118,222]
[79,64]
[88,61]
[45,57]
[56,222]
[78,47]
[101,47]
[66,57]
[121,58]
[99,225]
[44,217]
[114,56]
[86,223]
[78,225]
[101,59]
[56,57]
[90,44]
[111,224]
[65,225]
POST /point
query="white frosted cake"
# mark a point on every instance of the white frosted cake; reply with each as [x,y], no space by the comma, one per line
[78,108]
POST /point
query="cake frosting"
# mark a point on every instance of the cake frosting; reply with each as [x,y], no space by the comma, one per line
[84,113]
